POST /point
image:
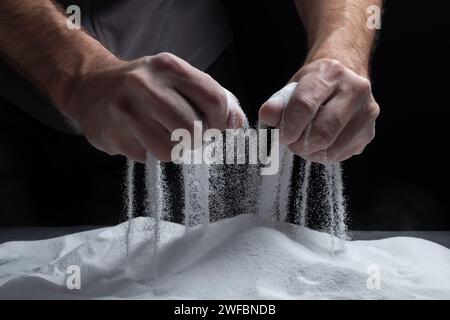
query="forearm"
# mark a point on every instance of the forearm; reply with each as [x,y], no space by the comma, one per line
[338,29]
[35,41]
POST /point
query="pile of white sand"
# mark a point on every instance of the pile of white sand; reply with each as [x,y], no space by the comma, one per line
[238,258]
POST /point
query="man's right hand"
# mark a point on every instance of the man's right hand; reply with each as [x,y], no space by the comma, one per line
[131,108]
[127,108]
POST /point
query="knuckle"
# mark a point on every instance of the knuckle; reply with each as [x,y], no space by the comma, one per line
[217,99]
[298,148]
[373,111]
[164,58]
[335,67]
[334,122]
[134,79]
[166,61]
[364,86]
[360,150]
[303,104]
[330,62]
[322,135]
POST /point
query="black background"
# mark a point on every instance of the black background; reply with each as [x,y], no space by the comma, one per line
[398,183]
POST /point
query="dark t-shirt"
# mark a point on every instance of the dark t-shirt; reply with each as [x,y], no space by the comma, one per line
[195,30]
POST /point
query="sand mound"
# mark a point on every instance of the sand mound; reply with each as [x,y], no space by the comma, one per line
[238,258]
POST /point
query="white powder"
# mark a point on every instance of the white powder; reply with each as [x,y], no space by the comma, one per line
[334,199]
[196,192]
[230,259]
[302,203]
[272,199]
[339,201]
[129,186]
[274,190]
[238,258]
[287,162]
[217,189]
[154,203]
[268,192]
[329,203]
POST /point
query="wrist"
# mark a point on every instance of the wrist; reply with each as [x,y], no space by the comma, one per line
[71,83]
[339,48]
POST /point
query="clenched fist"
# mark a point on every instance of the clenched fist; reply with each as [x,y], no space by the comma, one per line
[131,108]
[330,115]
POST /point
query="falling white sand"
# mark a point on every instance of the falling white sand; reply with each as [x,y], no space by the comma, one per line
[246,257]
[129,199]
[196,192]
[238,258]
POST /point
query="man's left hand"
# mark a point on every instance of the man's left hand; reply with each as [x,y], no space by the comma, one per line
[330,116]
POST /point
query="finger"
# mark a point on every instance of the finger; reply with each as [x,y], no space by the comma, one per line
[329,121]
[311,92]
[178,113]
[159,101]
[271,112]
[153,136]
[130,147]
[156,140]
[360,129]
[354,145]
[236,117]
[165,105]
[352,141]
[318,157]
[359,145]
[354,151]
[204,93]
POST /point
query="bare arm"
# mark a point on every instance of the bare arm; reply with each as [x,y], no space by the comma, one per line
[333,97]
[338,29]
[122,107]
[35,41]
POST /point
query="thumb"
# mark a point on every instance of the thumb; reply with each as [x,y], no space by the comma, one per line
[271,111]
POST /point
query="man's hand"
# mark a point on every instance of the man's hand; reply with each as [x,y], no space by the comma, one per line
[330,116]
[127,108]
[131,108]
